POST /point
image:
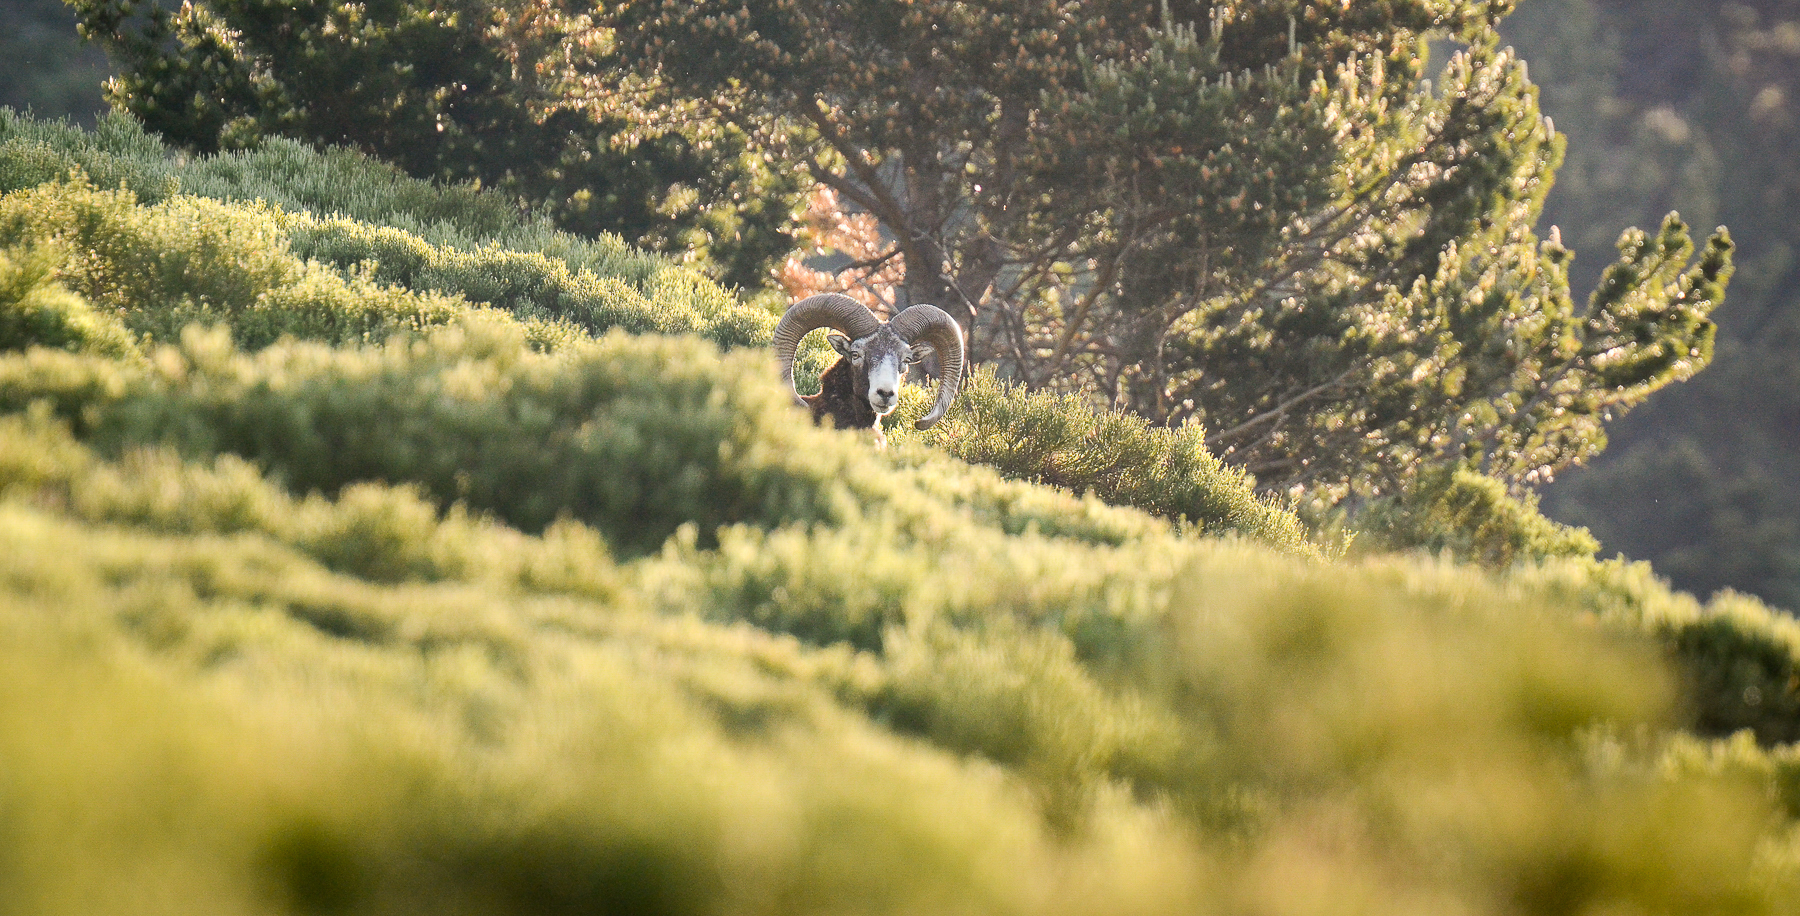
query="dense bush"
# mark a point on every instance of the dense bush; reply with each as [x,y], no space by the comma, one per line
[637,436]
[381,533]
[1739,658]
[1062,441]
[1465,514]
[292,176]
[536,286]
[35,311]
[187,260]
[265,273]
[321,687]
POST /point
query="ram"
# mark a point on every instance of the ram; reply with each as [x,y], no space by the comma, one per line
[864,386]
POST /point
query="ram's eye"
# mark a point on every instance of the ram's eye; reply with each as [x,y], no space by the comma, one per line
[856,356]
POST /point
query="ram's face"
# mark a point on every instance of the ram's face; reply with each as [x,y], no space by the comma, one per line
[881,362]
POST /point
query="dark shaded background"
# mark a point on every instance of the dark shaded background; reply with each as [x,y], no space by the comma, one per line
[1691,105]
[44,66]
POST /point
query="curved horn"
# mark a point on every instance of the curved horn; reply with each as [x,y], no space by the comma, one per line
[933,325]
[826,310]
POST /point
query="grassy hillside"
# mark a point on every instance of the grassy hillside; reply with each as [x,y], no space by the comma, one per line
[362,556]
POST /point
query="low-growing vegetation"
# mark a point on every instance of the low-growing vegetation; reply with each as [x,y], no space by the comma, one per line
[343,583]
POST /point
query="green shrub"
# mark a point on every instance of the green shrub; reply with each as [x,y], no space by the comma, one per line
[1468,515]
[1743,665]
[374,532]
[901,694]
[189,260]
[37,312]
[636,436]
[1777,769]
[75,388]
[296,178]
[160,268]
[1739,659]
[1062,441]
[536,286]
[277,737]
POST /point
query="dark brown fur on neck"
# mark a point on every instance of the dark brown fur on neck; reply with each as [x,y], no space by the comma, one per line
[844,397]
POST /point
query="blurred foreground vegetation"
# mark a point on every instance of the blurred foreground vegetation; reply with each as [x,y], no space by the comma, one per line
[364,549]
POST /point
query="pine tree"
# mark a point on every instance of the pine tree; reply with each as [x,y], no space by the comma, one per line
[1257,215]
[458,91]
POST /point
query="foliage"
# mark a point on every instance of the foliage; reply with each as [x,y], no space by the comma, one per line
[380,533]
[335,182]
[1123,459]
[313,716]
[535,286]
[1465,514]
[36,312]
[470,414]
[454,92]
[1259,217]
[845,253]
[191,260]
[266,273]
[1739,658]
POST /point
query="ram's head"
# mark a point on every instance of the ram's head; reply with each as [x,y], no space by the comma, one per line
[876,352]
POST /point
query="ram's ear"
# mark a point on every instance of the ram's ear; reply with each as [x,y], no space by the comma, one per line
[920,351]
[839,343]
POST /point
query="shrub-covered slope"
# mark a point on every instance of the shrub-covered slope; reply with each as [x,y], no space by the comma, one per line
[325,588]
[334,183]
[257,270]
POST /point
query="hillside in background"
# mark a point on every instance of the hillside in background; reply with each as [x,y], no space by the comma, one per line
[365,548]
[1695,106]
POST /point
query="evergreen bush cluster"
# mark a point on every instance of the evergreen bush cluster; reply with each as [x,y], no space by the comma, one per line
[376,532]
[1739,659]
[267,273]
[1062,441]
[35,310]
[295,177]
[189,260]
[533,285]
[635,435]
[1464,514]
